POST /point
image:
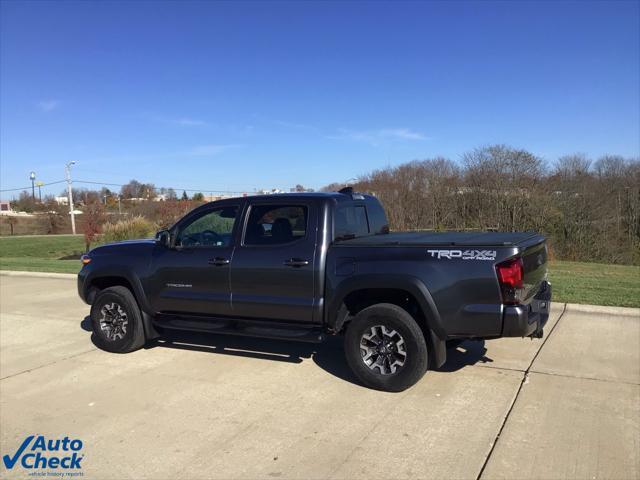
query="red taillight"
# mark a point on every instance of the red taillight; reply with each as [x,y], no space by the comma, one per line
[510,273]
[510,276]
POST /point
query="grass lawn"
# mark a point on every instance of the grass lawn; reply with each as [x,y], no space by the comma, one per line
[41,253]
[595,283]
[573,282]
[30,264]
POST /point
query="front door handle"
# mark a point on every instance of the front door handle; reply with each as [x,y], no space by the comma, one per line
[296,262]
[218,261]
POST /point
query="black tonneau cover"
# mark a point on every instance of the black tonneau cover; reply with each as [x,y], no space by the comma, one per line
[463,239]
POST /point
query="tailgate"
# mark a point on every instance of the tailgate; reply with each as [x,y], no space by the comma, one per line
[534,261]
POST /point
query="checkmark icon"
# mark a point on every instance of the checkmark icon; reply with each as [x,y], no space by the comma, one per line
[10,462]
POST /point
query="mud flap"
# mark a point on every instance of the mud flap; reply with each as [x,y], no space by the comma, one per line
[437,350]
[150,332]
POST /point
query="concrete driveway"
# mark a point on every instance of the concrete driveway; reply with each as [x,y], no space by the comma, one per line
[567,406]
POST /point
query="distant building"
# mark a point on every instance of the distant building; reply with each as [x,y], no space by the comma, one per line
[270,192]
[5,207]
[212,198]
[215,198]
[61,200]
[6,210]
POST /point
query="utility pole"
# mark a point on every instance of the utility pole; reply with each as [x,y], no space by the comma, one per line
[67,171]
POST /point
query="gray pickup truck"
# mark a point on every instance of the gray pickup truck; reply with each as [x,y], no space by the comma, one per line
[304,266]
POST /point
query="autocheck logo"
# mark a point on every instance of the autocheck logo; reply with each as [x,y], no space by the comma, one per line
[38,452]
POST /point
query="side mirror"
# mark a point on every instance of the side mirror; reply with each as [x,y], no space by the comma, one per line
[163,237]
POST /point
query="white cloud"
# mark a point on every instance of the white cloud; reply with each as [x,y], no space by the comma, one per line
[376,137]
[294,125]
[180,121]
[209,150]
[402,133]
[48,105]
[190,122]
[201,151]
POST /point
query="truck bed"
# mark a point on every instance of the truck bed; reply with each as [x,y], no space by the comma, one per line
[462,239]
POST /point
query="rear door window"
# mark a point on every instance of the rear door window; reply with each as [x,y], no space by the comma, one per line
[275,224]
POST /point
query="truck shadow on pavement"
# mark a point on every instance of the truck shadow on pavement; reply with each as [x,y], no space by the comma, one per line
[465,354]
[328,355]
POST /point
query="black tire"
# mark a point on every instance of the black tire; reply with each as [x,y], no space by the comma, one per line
[128,337]
[414,357]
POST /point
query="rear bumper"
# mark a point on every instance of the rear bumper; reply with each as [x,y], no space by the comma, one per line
[528,320]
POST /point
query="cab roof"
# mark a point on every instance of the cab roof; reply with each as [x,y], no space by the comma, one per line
[339,197]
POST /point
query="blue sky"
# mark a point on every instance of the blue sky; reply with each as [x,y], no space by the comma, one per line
[237,96]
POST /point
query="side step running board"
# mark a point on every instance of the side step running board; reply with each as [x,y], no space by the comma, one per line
[249,328]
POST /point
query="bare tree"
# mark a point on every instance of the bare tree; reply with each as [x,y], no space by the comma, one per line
[93,217]
[588,210]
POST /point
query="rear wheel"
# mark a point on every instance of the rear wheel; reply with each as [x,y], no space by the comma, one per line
[116,321]
[386,348]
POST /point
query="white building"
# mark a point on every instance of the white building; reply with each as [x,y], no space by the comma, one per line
[270,192]
[5,208]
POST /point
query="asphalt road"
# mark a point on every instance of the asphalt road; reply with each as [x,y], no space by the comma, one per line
[567,406]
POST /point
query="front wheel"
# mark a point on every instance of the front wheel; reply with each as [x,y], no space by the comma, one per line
[386,348]
[116,321]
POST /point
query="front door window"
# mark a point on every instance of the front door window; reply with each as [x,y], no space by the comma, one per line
[211,229]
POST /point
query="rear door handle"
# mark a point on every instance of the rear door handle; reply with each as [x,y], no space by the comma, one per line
[218,261]
[296,262]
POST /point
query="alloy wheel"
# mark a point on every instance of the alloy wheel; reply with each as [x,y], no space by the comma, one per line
[383,349]
[113,321]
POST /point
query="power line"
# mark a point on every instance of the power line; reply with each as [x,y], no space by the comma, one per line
[107,184]
[197,190]
[27,188]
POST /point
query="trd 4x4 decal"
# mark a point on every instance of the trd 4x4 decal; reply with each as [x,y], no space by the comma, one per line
[463,254]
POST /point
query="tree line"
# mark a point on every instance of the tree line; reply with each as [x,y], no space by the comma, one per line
[589,210]
[134,190]
[99,207]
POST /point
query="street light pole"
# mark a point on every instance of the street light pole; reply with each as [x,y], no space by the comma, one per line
[67,171]
[32,177]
